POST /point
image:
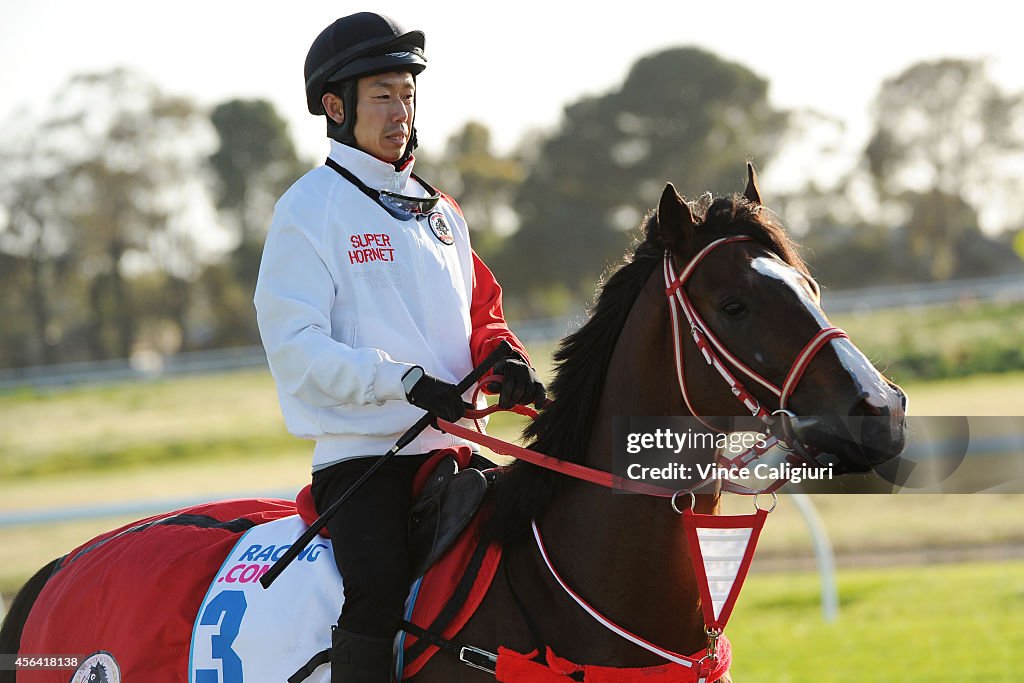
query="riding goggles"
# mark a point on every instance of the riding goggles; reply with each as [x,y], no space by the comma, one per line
[404,207]
[400,206]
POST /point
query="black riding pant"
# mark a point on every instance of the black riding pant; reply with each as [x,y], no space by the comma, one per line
[370,538]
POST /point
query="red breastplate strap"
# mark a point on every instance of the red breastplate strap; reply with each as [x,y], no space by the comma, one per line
[701,664]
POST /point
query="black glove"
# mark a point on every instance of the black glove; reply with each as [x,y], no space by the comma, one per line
[520,385]
[434,395]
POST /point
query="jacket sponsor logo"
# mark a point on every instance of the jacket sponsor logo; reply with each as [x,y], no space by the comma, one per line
[99,667]
[441,230]
[370,247]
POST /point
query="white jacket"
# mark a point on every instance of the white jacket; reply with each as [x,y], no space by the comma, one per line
[349,298]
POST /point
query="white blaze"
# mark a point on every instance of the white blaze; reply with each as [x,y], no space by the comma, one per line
[865,374]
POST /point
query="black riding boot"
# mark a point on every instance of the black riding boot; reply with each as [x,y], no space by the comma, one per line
[357,658]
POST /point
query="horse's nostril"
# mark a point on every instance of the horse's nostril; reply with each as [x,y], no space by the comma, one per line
[904,399]
[864,406]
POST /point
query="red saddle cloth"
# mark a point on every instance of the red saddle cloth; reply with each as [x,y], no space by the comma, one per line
[105,590]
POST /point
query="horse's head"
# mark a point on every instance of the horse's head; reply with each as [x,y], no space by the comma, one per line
[762,308]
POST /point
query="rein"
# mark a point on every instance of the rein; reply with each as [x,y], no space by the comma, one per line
[571,469]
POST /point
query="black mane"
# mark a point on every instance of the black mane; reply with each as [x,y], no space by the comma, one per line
[524,491]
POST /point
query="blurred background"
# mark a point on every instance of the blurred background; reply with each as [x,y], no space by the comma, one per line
[142,150]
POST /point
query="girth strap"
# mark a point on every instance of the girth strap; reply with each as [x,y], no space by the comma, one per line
[455,602]
[467,654]
[429,636]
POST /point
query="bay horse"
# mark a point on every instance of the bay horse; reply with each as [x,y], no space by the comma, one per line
[627,554]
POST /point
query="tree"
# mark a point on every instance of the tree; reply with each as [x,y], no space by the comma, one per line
[944,150]
[103,191]
[34,242]
[129,184]
[484,184]
[682,115]
[942,125]
[253,165]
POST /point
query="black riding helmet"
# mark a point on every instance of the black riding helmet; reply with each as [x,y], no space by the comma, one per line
[358,45]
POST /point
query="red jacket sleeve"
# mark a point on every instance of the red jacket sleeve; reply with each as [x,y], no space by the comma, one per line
[489,326]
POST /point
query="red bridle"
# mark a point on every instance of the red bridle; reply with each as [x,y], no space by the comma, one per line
[710,348]
[713,350]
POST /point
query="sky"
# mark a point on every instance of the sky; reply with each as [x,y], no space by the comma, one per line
[513,66]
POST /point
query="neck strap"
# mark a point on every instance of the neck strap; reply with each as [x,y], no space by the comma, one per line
[375,194]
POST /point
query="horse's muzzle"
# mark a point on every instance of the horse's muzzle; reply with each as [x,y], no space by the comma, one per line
[866,437]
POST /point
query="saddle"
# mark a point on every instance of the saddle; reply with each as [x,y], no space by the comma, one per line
[447,501]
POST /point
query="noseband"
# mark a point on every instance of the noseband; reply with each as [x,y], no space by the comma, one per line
[714,351]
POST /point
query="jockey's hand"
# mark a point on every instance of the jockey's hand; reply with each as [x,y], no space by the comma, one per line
[520,384]
[436,396]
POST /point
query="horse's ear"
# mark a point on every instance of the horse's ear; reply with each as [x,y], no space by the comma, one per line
[675,221]
[752,193]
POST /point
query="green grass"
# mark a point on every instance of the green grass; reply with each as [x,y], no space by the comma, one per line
[129,425]
[992,394]
[927,624]
[950,341]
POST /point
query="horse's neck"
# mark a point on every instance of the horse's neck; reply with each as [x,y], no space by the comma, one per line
[627,554]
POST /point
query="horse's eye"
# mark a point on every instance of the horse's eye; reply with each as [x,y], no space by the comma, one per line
[734,308]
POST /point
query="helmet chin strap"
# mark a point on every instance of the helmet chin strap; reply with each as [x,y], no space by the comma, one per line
[344,132]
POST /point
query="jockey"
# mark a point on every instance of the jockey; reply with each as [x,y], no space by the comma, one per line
[371,306]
